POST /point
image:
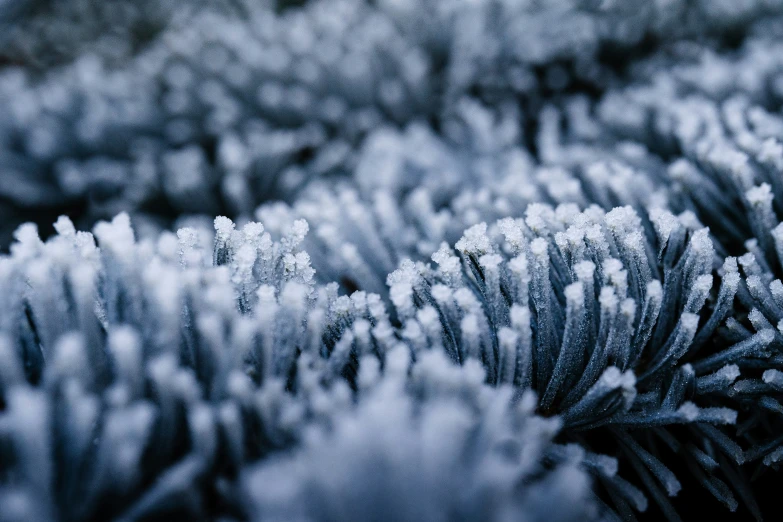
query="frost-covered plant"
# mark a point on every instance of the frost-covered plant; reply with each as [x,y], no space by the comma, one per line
[232,104]
[413,190]
[734,186]
[440,445]
[216,115]
[604,316]
[727,166]
[139,378]
[150,379]
[718,118]
[625,320]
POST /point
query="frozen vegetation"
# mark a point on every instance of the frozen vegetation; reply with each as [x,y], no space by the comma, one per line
[394,260]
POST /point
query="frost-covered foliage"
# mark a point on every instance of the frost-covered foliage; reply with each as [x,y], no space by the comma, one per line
[140,380]
[412,190]
[215,107]
[518,260]
[603,315]
[439,445]
[730,176]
